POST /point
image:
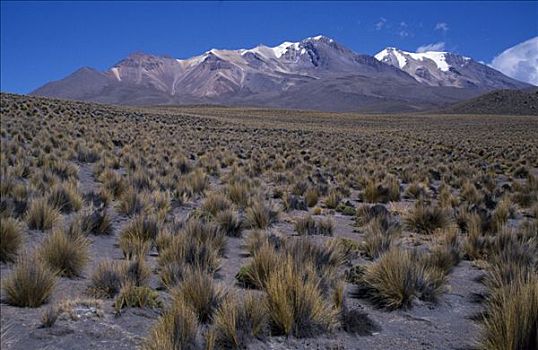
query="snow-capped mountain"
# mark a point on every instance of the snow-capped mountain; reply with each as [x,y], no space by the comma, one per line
[437,68]
[314,73]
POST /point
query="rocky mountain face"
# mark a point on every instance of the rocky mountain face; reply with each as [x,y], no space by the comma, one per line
[315,73]
[436,68]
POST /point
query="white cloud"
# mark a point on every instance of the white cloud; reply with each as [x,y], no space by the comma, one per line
[379,25]
[443,26]
[520,61]
[440,46]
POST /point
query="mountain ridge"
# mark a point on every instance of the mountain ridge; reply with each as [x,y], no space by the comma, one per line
[314,73]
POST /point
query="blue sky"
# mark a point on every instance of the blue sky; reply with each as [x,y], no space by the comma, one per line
[44,41]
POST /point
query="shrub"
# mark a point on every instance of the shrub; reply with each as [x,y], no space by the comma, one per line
[41,215]
[296,305]
[66,254]
[10,239]
[176,329]
[236,321]
[425,219]
[200,292]
[30,284]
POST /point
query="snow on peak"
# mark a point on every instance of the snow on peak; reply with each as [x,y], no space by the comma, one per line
[116,73]
[391,52]
[320,37]
[438,57]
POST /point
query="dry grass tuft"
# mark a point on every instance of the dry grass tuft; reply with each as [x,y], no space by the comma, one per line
[41,215]
[237,322]
[10,239]
[65,253]
[511,320]
[260,215]
[176,329]
[199,291]
[425,219]
[30,284]
[295,304]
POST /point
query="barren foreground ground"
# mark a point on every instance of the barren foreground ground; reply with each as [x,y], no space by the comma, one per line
[308,230]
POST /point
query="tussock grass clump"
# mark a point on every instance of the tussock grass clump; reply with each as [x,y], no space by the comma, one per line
[447,253]
[131,295]
[397,277]
[264,262]
[199,245]
[332,200]
[142,227]
[131,202]
[379,236]
[260,215]
[10,239]
[390,282]
[133,246]
[64,253]
[30,284]
[136,272]
[293,202]
[377,193]
[239,193]
[65,197]
[311,197]
[308,226]
[365,213]
[214,204]
[237,322]
[176,329]
[199,291]
[41,215]
[230,223]
[93,221]
[470,194]
[511,320]
[198,181]
[106,280]
[425,219]
[113,182]
[295,304]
